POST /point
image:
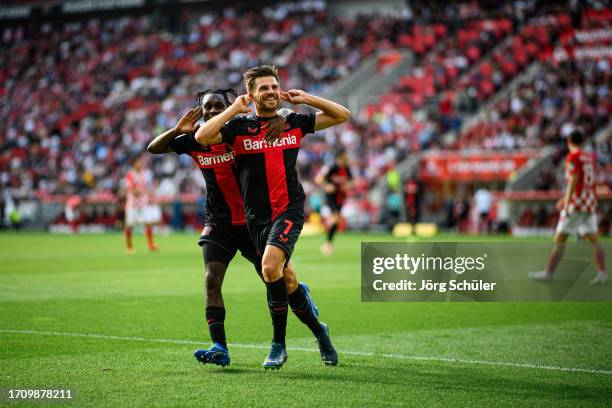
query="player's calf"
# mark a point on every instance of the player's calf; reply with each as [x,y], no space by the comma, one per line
[215,272]
[304,308]
[290,279]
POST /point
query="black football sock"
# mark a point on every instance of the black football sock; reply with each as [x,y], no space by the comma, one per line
[299,306]
[332,232]
[215,316]
[277,303]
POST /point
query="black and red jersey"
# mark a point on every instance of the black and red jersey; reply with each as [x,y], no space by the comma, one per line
[224,203]
[338,176]
[267,173]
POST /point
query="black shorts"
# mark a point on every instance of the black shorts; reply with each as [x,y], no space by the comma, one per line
[220,243]
[333,202]
[283,232]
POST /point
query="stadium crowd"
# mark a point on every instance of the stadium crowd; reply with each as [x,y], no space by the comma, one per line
[546,109]
[80,99]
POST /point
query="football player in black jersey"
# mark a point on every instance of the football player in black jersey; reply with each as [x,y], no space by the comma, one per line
[225,230]
[273,196]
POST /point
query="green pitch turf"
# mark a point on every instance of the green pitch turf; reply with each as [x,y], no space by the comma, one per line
[78,312]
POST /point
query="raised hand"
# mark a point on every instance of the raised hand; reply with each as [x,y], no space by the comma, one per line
[294,96]
[241,104]
[188,123]
[275,126]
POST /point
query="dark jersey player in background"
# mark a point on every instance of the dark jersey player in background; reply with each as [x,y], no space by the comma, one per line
[225,230]
[335,182]
[273,196]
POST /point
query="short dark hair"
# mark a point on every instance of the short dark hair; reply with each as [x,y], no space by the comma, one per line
[257,72]
[576,138]
[224,92]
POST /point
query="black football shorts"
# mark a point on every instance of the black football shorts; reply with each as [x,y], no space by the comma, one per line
[283,232]
[334,202]
[220,242]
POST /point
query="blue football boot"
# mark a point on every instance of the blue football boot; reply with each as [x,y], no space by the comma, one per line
[217,354]
[276,358]
[326,348]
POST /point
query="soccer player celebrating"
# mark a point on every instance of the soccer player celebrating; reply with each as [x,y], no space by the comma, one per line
[138,206]
[225,231]
[273,196]
[335,181]
[578,210]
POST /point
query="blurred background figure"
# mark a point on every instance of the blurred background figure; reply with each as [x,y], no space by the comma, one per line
[483,201]
[336,181]
[577,210]
[140,207]
[413,194]
[72,213]
[15,216]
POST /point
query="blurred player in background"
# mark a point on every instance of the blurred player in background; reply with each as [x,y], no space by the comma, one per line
[273,196]
[577,210]
[72,213]
[483,201]
[413,191]
[225,231]
[335,182]
[140,208]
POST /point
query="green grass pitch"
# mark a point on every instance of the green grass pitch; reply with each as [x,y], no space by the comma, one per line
[78,312]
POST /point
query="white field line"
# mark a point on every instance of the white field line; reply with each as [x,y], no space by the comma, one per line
[311,350]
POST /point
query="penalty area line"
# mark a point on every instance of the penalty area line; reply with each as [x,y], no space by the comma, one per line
[311,350]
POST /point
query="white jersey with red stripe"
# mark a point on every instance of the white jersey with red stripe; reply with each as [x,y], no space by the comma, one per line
[582,165]
[139,188]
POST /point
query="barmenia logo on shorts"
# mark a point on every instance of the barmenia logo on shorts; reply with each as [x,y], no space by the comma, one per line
[414,264]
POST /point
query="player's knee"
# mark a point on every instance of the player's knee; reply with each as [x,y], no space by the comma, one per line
[271,272]
[273,263]
[272,268]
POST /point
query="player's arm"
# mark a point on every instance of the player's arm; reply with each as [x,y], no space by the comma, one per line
[130,187]
[331,113]
[321,179]
[210,132]
[350,182]
[161,143]
[276,125]
[321,176]
[188,123]
[571,187]
[135,190]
